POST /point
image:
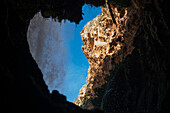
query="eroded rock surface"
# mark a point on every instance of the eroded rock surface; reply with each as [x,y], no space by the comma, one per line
[21,81]
[106,43]
[126,54]
[138,84]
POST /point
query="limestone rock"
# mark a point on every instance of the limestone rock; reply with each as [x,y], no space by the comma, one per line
[128,53]
[106,43]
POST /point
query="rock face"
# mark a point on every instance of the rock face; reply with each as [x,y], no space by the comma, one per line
[106,44]
[138,83]
[21,81]
[121,70]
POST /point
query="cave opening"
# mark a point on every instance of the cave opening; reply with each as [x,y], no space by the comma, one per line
[56,48]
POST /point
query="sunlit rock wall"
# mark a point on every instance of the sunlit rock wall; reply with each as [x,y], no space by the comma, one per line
[128,55]
[105,44]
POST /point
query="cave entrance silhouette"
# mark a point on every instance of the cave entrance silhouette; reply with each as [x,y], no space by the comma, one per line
[56,48]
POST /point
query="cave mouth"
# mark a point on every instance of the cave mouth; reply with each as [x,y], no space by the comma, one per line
[56,48]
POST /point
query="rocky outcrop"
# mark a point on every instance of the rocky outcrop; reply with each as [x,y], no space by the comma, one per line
[139,82]
[106,44]
[21,81]
[127,71]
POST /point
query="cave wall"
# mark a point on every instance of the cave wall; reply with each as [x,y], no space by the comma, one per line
[138,83]
[130,74]
[22,86]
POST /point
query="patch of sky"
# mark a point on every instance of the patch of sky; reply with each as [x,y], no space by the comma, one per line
[77,62]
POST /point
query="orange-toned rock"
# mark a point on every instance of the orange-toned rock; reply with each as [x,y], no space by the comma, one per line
[106,44]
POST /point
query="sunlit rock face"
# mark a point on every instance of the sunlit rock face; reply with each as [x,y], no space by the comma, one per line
[105,44]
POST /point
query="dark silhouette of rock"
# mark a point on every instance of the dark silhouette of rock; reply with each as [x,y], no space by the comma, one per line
[138,81]
[55,98]
[129,66]
[21,81]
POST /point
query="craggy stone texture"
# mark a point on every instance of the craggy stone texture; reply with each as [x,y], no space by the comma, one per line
[21,82]
[137,83]
[106,43]
[129,59]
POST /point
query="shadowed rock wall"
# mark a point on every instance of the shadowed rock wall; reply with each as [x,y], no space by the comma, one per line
[128,57]
[21,81]
[137,83]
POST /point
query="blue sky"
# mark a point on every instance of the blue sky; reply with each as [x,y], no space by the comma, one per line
[77,63]
[56,48]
